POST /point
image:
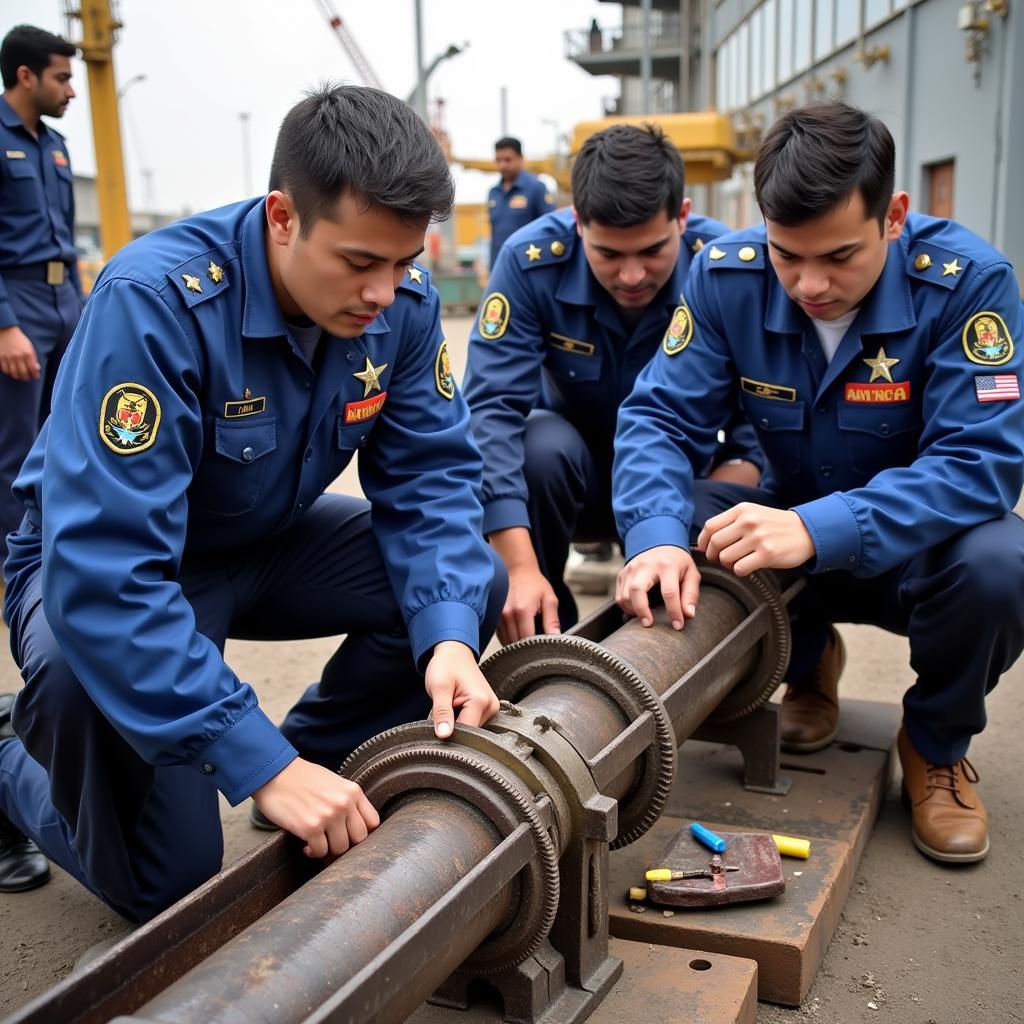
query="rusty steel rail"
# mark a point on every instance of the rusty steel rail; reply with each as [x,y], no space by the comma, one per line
[491,858]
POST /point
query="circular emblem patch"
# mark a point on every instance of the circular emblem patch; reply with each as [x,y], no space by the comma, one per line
[129,418]
[494,316]
[680,331]
[443,373]
[986,340]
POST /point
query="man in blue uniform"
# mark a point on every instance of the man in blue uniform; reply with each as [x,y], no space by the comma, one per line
[40,292]
[225,371]
[577,304]
[875,353]
[518,197]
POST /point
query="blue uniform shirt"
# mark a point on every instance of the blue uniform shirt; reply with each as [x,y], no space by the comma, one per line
[549,335]
[513,209]
[913,433]
[184,418]
[37,203]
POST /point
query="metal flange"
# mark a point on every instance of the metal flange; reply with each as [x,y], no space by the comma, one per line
[397,763]
[514,670]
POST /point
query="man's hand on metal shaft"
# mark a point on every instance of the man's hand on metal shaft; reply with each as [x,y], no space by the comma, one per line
[670,567]
[529,592]
[319,806]
[748,537]
[455,684]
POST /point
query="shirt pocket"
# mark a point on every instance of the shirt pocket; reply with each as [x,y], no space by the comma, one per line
[779,427]
[354,435]
[22,184]
[572,367]
[230,480]
[880,436]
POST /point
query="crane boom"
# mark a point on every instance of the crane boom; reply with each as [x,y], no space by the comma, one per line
[349,44]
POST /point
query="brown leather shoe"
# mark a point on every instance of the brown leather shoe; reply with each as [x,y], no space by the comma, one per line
[949,820]
[810,713]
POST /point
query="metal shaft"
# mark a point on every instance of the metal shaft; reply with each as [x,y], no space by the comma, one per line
[339,921]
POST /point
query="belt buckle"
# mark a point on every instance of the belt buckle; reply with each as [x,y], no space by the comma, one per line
[54,272]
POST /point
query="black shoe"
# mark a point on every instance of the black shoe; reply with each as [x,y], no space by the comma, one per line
[22,864]
[6,703]
[259,820]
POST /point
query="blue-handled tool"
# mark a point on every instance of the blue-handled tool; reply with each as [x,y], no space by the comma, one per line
[707,837]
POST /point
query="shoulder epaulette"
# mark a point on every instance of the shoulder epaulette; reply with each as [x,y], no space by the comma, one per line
[201,277]
[544,251]
[932,263]
[735,255]
[416,280]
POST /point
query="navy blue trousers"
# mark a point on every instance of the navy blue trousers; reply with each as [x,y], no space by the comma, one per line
[140,837]
[47,314]
[570,497]
[961,605]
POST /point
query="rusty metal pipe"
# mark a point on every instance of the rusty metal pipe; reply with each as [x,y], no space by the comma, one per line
[340,920]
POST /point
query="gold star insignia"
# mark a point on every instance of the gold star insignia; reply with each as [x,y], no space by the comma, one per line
[415,274]
[880,365]
[370,376]
[697,246]
[192,283]
[953,268]
[215,273]
[533,253]
[716,253]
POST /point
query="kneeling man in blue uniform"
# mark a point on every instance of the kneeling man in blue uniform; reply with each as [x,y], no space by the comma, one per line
[875,351]
[226,370]
[578,302]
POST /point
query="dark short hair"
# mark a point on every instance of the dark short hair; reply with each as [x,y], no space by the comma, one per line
[32,47]
[815,157]
[509,143]
[350,139]
[627,174]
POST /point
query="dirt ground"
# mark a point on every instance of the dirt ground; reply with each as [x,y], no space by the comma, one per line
[918,943]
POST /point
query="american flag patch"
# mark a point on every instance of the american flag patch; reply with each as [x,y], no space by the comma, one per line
[999,387]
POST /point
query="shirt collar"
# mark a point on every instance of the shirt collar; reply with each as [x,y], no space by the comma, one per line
[10,119]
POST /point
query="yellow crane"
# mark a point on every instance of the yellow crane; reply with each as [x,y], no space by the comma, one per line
[99,33]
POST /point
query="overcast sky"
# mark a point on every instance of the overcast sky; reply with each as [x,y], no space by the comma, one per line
[205,62]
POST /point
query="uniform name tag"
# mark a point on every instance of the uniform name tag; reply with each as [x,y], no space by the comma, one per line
[357,412]
[869,393]
[248,407]
[15,154]
[582,348]
[779,392]
[517,203]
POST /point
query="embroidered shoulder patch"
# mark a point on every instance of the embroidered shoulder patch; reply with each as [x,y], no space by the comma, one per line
[986,339]
[680,331]
[129,418]
[443,378]
[494,316]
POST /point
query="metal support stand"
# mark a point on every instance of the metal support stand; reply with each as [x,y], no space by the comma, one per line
[757,737]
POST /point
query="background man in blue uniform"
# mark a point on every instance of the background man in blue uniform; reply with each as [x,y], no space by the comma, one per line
[518,198]
[875,353]
[577,304]
[40,292]
[225,371]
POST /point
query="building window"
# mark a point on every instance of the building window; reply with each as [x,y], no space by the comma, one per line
[756,52]
[822,29]
[876,10]
[847,18]
[801,34]
[785,39]
[768,67]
